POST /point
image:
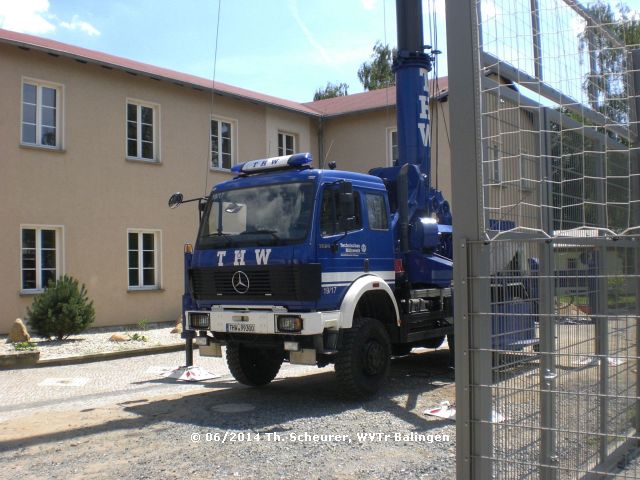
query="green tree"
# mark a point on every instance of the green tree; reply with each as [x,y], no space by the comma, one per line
[378,73]
[607,86]
[61,310]
[332,90]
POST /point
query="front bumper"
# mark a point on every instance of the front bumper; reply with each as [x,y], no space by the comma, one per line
[259,320]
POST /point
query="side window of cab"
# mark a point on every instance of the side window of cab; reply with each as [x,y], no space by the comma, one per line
[331,217]
[376,211]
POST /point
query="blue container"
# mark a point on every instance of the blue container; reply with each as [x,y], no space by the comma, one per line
[513,313]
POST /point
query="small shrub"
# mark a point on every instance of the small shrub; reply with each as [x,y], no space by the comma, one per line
[22,346]
[63,309]
[136,337]
[143,324]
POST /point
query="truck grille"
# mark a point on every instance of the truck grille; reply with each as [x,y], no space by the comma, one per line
[278,282]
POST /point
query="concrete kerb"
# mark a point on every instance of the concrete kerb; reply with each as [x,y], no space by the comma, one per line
[30,359]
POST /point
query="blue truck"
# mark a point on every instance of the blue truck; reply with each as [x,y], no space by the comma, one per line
[322,266]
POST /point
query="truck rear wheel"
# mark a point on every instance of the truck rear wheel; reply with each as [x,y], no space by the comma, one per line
[363,359]
[254,366]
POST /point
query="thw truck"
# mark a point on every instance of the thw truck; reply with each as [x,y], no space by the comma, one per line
[316,266]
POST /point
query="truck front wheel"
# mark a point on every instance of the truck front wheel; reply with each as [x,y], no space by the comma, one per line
[363,358]
[254,366]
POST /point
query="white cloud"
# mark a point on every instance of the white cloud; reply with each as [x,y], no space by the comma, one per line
[33,16]
[26,16]
[293,7]
[77,24]
[368,4]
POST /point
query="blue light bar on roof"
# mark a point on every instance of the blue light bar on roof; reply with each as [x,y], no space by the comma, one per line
[274,163]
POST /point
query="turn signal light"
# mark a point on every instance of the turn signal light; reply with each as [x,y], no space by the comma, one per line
[398,267]
[289,323]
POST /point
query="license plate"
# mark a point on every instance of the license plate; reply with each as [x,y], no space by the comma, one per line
[241,327]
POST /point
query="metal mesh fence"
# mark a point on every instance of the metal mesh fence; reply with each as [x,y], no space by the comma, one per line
[550,290]
[561,397]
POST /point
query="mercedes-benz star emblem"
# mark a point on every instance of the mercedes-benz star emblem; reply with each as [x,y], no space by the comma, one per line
[240,282]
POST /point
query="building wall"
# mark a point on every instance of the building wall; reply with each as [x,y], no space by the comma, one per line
[300,127]
[95,194]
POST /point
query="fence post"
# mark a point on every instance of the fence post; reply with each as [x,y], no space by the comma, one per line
[635,205]
[546,318]
[473,420]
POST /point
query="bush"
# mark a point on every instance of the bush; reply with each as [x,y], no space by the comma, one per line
[63,309]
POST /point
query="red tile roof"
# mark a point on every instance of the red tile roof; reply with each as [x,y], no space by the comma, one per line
[359,102]
[83,54]
[372,100]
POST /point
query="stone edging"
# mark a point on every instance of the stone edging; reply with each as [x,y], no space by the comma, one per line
[14,361]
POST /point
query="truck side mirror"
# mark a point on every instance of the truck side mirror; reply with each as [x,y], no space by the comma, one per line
[346,206]
[345,200]
[175,200]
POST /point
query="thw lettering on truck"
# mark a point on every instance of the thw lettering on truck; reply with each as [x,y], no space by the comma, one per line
[261,256]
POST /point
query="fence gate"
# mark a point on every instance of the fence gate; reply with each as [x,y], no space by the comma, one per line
[545,143]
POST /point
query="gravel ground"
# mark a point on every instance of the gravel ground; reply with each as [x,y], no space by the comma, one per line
[96,340]
[297,427]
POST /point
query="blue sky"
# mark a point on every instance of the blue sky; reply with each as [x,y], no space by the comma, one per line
[286,48]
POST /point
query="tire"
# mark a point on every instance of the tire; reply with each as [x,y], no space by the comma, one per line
[363,359]
[254,366]
[433,342]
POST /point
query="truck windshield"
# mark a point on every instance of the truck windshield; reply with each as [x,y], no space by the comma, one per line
[264,215]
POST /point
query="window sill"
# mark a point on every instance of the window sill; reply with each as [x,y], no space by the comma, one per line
[143,160]
[220,170]
[144,289]
[42,148]
[30,293]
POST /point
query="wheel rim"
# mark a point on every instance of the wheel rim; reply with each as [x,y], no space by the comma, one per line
[374,358]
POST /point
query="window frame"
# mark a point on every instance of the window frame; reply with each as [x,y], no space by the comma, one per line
[282,134]
[390,132]
[59,249]
[157,259]
[155,107]
[233,142]
[59,116]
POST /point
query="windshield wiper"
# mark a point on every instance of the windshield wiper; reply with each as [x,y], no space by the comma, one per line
[258,231]
[226,236]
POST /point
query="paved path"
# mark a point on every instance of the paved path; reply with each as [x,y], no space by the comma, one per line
[26,391]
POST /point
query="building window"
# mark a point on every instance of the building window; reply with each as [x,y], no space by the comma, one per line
[286,144]
[40,257]
[142,131]
[392,146]
[495,164]
[41,114]
[222,154]
[143,259]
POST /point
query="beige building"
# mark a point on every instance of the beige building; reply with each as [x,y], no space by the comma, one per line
[93,145]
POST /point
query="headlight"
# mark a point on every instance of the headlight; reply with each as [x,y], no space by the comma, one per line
[289,323]
[199,320]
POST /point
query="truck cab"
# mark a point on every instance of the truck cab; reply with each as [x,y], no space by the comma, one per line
[301,265]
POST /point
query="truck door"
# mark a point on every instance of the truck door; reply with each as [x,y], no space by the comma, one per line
[346,247]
